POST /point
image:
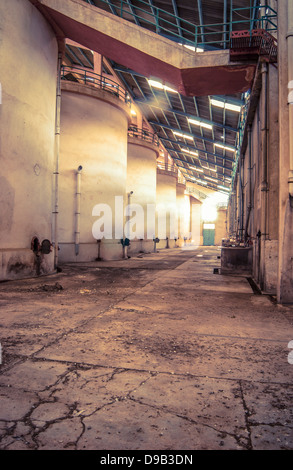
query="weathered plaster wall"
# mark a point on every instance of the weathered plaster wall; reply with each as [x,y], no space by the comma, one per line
[28,64]
[260,184]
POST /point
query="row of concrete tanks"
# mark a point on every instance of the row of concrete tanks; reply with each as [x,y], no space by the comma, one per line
[75,182]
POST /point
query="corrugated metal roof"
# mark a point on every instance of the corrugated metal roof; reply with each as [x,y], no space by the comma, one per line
[169,112]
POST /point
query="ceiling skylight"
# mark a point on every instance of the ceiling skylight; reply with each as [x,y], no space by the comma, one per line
[225,147]
[197,122]
[196,168]
[226,105]
[179,134]
[190,152]
[160,86]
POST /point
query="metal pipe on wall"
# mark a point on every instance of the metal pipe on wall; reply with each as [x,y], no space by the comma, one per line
[249,207]
[289,38]
[242,199]
[56,169]
[264,174]
[263,232]
[77,212]
[239,201]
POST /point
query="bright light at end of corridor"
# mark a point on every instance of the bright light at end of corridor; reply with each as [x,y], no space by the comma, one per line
[209,212]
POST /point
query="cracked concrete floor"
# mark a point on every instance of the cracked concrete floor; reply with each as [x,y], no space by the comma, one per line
[155,352]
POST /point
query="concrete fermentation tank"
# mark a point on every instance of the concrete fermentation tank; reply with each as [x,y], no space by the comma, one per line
[166,206]
[183,210]
[28,64]
[143,150]
[93,162]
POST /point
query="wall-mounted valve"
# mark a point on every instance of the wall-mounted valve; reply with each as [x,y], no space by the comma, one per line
[41,248]
[46,247]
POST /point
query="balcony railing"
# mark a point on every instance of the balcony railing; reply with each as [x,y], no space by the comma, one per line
[143,134]
[87,77]
[199,194]
[172,26]
[167,167]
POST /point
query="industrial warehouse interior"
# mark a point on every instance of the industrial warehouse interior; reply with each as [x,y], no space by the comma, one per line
[146,227]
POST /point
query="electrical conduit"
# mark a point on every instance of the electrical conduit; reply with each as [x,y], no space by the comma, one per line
[77,212]
[289,37]
[56,169]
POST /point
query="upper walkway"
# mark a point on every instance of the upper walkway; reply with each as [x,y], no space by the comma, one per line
[191,73]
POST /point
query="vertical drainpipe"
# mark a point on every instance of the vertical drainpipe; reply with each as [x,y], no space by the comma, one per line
[289,38]
[57,152]
[264,170]
[77,213]
[264,183]
[242,198]
[249,207]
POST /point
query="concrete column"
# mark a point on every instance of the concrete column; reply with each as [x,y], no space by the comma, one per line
[196,233]
[261,173]
[285,272]
[183,210]
[98,59]
[94,127]
[271,253]
[221,226]
[28,64]
[167,215]
[141,191]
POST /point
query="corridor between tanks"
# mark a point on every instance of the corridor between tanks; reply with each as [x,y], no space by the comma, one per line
[155,352]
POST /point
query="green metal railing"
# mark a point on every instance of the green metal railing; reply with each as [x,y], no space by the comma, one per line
[198,36]
[87,77]
[143,134]
[260,17]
